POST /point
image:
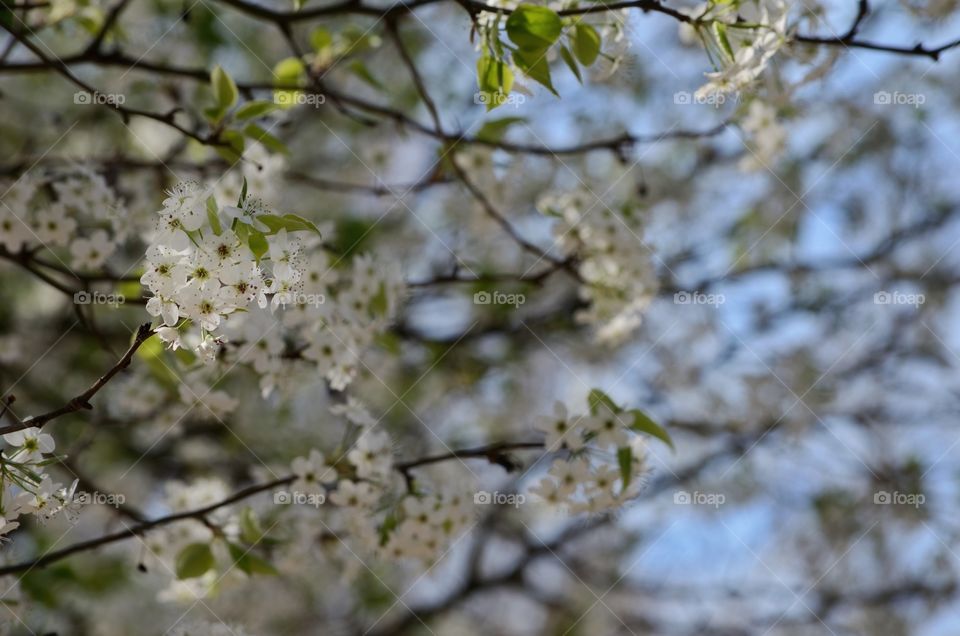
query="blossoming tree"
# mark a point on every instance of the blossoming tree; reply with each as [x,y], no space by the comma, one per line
[370,317]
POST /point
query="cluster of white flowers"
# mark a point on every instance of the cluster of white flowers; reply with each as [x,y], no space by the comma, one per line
[428,524]
[208,261]
[25,488]
[380,515]
[741,38]
[72,210]
[332,316]
[165,544]
[589,477]
[619,281]
[767,137]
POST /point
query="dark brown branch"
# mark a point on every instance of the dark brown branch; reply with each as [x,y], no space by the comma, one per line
[82,401]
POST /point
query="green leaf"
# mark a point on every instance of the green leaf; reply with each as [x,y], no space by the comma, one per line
[250,529]
[232,151]
[495,80]
[258,244]
[643,424]
[224,88]
[360,69]
[213,217]
[288,72]
[214,114]
[254,109]
[257,133]
[249,562]
[586,44]
[288,222]
[320,39]
[533,27]
[625,459]
[495,129]
[597,398]
[194,560]
[720,33]
[534,65]
[571,63]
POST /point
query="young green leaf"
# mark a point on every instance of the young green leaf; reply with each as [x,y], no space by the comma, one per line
[495,129]
[320,39]
[625,459]
[248,562]
[586,44]
[224,88]
[360,69]
[533,27]
[258,244]
[257,133]
[213,217]
[194,560]
[495,80]
[232,148]
[288,222]
[254,109]
[250,529]
[288,72]
[570,62]
[597,398]
[643,424]
[535,66]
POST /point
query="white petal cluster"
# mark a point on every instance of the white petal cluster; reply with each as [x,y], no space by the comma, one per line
[25,487]
[201,266]
[588,478]
[767,137]
[753,32]
[71,211]
[614,263]
[380,514]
